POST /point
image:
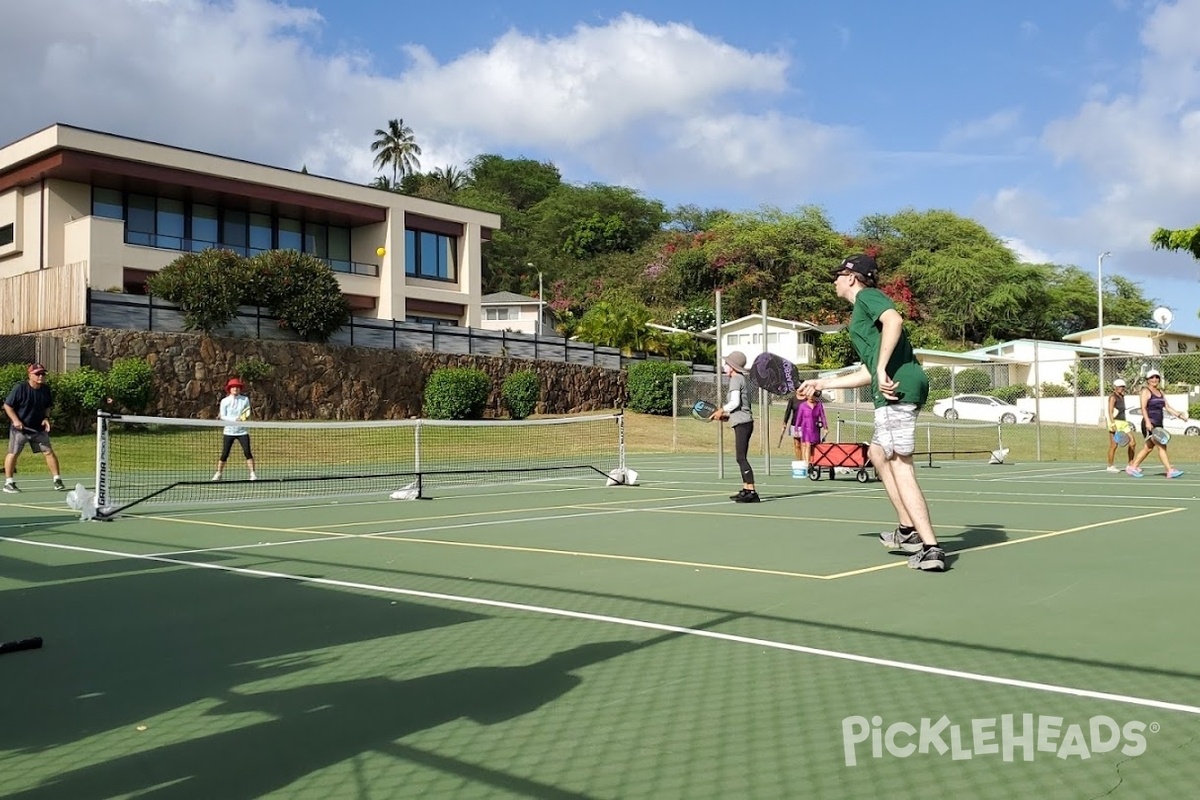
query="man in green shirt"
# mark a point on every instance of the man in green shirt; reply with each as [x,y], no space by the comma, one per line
[899,388]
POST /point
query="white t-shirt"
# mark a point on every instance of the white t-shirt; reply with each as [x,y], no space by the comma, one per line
[231,409]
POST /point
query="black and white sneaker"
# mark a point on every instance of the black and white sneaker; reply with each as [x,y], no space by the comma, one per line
[895,540]
[58,485]
[11,487]
[930,558]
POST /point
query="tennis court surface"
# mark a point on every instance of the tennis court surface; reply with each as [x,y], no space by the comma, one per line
[566,639]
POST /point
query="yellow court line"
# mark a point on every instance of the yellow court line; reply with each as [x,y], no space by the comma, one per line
[512,548]
[586,554]
[235,526]
[31,507]
[1054,504]
[529,510]
[1022,540]
[872,522]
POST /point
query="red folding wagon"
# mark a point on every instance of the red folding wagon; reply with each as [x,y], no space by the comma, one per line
[828,457]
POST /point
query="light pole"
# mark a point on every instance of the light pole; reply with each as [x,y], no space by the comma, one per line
[1100,317]
[541,300]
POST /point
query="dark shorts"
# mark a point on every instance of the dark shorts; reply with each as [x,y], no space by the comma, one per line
[38,441]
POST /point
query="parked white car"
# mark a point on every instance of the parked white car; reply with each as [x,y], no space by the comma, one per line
[1172,425]
[980,407]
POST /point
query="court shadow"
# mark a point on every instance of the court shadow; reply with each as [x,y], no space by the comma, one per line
[770,498]
[316,726]
[972,536]
[128,646]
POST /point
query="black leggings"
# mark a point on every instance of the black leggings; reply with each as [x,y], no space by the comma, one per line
[227,445]
[741,446]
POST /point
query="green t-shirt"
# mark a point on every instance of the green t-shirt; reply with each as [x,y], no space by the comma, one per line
[865,335]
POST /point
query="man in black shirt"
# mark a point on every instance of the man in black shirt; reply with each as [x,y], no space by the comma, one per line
[28,410]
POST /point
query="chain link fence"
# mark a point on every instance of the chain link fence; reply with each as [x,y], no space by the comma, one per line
[18,349]
[1066,395]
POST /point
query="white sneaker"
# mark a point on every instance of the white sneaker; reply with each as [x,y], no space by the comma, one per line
[1113,469]
[216,476]
[11,488]
[253,477]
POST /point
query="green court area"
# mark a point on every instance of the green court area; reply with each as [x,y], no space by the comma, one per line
[559,638]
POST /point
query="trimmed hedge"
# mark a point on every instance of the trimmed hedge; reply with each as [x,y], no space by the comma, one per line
[520,393]
[650,385]
[130,384]
[457,393]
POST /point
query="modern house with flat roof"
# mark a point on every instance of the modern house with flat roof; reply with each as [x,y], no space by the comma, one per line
[82,209]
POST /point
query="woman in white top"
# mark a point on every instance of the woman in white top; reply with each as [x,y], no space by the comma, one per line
[235,407]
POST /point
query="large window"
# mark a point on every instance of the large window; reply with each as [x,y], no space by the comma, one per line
[139,220]
[108,203]
[204,227]
[430,255]
[422,320]
[235,232]
[291,234]
[261,233]
[501,314]
[180,225]
[169,223]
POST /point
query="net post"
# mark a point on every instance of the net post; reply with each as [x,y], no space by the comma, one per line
[675,413]
[621,441]
[101,460]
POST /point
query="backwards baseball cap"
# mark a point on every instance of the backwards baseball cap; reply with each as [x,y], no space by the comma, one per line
[36,368]
[1119,382]
[737,360]
[232,382]
[1153,374]
[861,264]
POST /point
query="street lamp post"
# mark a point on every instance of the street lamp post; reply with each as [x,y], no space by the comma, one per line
[541,300]
[1100,316]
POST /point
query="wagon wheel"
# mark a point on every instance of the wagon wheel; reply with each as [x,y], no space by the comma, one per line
[814,473]
[862,476]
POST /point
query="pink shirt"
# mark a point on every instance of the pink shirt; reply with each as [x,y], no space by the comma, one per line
[810,418]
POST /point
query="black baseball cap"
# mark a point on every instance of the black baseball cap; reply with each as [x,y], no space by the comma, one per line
[861,264]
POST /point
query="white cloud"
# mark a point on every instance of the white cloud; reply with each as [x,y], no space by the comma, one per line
[1027,254]
[994,126]
[254,79]
[1134,157]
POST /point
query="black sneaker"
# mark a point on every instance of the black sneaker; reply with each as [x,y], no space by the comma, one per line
[749,497]
[11,487]
[737,498]
[930,558]
[58,485]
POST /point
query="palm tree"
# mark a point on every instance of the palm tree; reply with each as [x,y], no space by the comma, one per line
[397,147]
[450,179]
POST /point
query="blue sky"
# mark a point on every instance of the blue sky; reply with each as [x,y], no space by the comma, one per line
[1067,128]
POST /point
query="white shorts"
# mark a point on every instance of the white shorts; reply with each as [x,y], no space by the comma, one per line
[896,429]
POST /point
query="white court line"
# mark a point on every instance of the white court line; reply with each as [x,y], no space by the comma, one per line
[1049,688]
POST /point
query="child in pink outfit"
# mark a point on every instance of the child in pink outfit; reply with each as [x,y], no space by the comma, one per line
[810,421]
